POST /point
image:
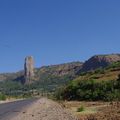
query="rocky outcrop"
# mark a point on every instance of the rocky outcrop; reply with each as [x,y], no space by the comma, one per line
[100,61]
[57,72]
[29,69]
[43,73]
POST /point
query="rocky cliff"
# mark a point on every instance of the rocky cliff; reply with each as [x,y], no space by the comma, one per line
[100,61]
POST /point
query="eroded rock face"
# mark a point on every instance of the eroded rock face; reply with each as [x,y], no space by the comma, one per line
[29,69]
[100,61]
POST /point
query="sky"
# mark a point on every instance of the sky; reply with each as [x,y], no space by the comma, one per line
[57,31]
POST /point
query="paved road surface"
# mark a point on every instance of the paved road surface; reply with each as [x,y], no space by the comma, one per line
[7,110]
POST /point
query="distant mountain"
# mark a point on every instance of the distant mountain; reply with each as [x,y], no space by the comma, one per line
[67,69]
[65,72]
[98,67]
[60,69]
[10,76]
[99,61]
[46,78]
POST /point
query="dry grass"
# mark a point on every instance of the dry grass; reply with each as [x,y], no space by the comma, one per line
[108,75]
[95,110]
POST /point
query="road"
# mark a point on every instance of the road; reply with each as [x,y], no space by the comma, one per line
[34,109]
[8,110]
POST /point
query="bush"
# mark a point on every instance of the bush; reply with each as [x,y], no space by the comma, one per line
[2,96]
[80,109]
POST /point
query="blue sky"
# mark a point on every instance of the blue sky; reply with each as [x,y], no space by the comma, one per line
[57,31]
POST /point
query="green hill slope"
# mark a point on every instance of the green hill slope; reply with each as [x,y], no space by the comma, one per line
[101,84]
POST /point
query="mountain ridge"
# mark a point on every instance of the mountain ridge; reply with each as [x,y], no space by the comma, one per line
[98,61]
[71,69]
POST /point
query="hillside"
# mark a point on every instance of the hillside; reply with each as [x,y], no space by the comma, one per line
[48,78]
[10,76]
[100,84]
[110,72]
[99,61]
[68,69]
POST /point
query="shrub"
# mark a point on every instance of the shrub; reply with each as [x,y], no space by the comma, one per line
[91,90]
[80,109]
[2,96]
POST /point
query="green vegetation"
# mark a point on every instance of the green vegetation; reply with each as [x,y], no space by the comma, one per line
[114,65]
[45,87]
[80,109]
[14,89]
[91,90]
[47,79]
[2,96]
[100,84]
